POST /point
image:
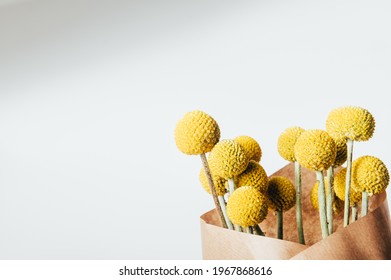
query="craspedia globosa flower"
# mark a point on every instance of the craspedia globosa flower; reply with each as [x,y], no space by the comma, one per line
[338,204]
[340,188]
[370,175]
[228,159]
[354,123]
[251,146]
[281,194]
[247,207]
[254,176]
[196,133]
[287,141]
[315,150]
[342,152]
[220,184]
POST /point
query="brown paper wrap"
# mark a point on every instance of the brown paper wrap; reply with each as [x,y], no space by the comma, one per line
[369,238]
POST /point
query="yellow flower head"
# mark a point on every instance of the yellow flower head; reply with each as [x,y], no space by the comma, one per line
[228,159]
[338,204]
[281,194]
[219,183]
[370,174]
[247,207]
[315,150]
[196,133]
[340,187]
[342,152]
[287,141]
[254,176]
[353,123]
[252,148]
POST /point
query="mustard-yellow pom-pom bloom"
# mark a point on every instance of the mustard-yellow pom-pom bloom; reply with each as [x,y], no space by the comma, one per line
[251,146]
[287,141]
[220,184]
[354,123]
[254,176]
[196,133]
[342,152]
[337,203]
[370,175]
[315,150]
[281,194]
[340,188]
[247,207]
[228,159]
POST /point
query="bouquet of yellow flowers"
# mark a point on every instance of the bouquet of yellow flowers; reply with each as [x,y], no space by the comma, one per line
[255,217]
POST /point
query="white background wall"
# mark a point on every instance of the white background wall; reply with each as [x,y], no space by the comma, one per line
[90,92]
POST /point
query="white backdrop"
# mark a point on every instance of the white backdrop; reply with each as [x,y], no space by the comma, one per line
[90,92]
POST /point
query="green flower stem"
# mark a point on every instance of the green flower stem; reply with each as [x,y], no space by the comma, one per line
[354,213]
[280,230]
[348,183]
[213,190]
[299,215]
[231,189]
[330,196]
[224,209]
[258,230]
[231,186]
[322,204]
[364,207]
[238,228]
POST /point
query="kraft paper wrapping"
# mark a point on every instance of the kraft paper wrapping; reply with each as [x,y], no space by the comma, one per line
[369,238]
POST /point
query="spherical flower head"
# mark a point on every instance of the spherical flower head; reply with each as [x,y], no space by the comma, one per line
[281,194]
[228,159]
[219,183]
[353,123]
[338,204]
[247,207]
[342,152]
[315,150]
[370,174]
[196,133]
[340,187]
[252,148]
[254,176]
[287,141]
